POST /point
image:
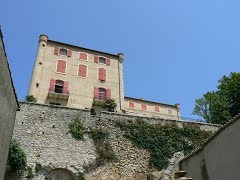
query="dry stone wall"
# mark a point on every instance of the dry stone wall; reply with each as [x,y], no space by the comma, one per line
[43,133]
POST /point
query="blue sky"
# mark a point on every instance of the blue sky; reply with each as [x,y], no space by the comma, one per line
[175,50]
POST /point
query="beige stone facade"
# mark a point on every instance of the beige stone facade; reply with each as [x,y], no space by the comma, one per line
[58,79]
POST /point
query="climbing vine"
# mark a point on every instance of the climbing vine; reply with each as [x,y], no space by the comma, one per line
[163,141]
[17,157]
[76,129]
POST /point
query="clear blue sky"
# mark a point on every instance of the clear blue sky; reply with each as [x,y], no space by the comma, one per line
[175,50]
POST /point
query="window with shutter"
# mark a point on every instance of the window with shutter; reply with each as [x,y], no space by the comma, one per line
[108,93]
[83,56]
[102,74]
[52,85]
[61,66]
[56,50]
[63,52]
[95,93]
[69,53]
[96,59]
[131,104]
[157,109]
[102,94]
[82,70]
[144,106]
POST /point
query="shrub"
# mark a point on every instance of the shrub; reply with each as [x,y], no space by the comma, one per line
[76,129]
[17,157]
[30,98]
[110,105]
[38,167]
[29,173]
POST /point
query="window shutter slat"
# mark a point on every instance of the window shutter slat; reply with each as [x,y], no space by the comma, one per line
[96,59]
[56,50]
[65,87]
[69,53]
[52,85]
[95,93]
[108,93]
[108,61]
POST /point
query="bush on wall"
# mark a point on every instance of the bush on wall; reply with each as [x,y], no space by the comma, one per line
[17,157]
[76,129]
[163,141]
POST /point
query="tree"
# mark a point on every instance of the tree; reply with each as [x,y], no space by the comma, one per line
[221,105]
[110,105]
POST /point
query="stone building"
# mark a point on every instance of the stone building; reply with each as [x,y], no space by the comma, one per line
[9,106]
[78,77]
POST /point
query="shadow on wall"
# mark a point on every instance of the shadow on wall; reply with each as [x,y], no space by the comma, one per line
[60,174]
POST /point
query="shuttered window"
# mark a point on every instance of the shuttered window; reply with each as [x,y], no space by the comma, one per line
[58,86]
[82,70]
[144,106]
[157,109]
[61,66]
[131,104]
[83,56]
[102,94]
[102,60]
[62,51]
[102,74]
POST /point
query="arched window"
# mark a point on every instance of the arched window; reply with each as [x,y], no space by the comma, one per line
[59,86]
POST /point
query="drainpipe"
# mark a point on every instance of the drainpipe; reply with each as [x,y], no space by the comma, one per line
[120,79]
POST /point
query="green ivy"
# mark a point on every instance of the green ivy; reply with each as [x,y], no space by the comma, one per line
[110,105]
[29,173]
[103,147]
[17,157]
[163,141]
[76,129]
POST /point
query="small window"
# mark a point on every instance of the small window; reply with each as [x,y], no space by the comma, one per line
[102,74]
[63,52]
[144,106]
[59,86]
[61,66]
[157,109]
[131,104]
[82,70]
[83,56]
[102,60]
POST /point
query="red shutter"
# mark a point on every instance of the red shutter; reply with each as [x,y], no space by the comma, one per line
[65,87]
[144,106]
[108,61]
[56,50]
[102,74]
[108,93]
[82,70]
[96,59]
[61,66]
[83,56]
[69,53]
[157,109]
[52,85]
[95,94]
[131,104]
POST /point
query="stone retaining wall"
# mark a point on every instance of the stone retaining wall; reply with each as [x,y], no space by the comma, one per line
[43,133]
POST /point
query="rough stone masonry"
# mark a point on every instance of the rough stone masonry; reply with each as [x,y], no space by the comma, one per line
[43,133]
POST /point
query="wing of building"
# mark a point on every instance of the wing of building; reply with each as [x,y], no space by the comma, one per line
[78,77]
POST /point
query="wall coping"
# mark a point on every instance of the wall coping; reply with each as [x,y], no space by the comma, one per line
[158,118]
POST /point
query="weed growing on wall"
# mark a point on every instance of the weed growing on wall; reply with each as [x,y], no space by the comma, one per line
[17,157]
[30,98]
[163,141]
[38,167]
[76,129]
